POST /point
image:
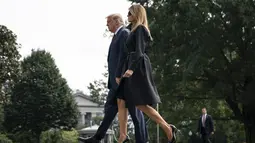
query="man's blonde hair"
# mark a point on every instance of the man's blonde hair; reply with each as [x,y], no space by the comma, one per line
[116,17]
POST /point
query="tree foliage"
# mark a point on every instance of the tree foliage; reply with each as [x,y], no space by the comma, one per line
[9,62]
[1,118]
[98,90]
[41,98]
[203,55]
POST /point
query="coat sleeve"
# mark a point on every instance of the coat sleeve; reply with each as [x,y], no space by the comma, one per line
[211,124]
[198,125]
[122,53]
[139,47]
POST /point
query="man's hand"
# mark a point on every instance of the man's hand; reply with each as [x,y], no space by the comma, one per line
[128,73]
[212,133]
[117,80]
[198,134]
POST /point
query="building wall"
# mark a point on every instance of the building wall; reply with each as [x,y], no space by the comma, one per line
[88,110]
[84,102]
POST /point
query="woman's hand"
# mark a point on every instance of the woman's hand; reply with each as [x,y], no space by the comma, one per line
[128,73]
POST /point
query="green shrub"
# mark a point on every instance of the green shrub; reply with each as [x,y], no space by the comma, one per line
[70,136]
[59,136]
[4,139]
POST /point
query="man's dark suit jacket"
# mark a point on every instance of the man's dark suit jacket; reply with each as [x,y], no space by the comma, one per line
[116,56]
[209,127]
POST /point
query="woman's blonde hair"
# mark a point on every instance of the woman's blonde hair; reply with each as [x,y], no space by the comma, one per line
[140,16]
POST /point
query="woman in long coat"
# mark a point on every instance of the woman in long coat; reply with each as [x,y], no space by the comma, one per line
[137,86]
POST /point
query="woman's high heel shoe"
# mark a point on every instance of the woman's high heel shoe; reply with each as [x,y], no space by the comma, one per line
[127,139]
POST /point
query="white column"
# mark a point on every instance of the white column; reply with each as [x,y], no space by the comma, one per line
[83,119]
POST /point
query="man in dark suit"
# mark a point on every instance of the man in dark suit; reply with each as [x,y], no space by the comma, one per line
[116,55]
[205,126]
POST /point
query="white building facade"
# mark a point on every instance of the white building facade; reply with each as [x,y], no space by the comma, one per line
[88,109]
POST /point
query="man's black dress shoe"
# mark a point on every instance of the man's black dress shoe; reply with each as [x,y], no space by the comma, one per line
[88,140]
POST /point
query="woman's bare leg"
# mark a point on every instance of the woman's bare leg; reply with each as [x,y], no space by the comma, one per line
[155,116]
[122,116]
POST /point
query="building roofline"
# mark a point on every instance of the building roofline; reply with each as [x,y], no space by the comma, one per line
[81,94]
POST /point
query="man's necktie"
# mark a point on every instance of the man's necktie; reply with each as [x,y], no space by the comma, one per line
[110,48]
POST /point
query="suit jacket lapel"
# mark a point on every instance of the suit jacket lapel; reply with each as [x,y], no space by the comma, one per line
[110,48]
[113,39]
